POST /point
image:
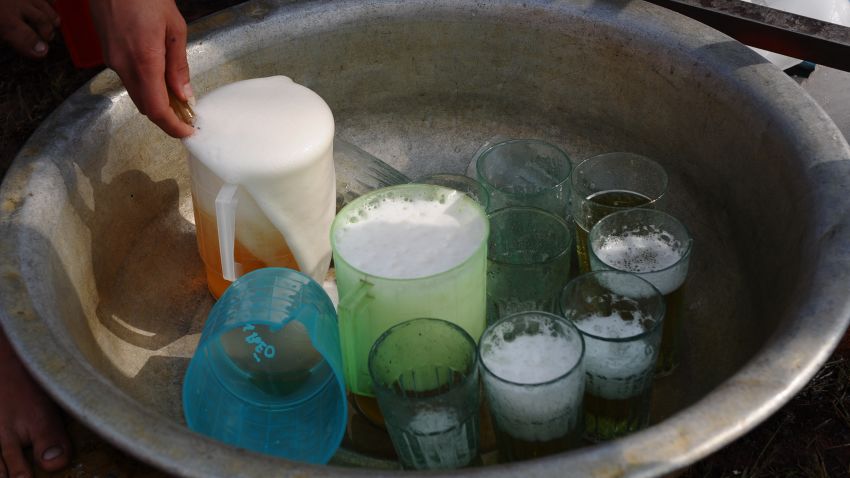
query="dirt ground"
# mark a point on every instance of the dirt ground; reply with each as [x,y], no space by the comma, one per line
[807,438]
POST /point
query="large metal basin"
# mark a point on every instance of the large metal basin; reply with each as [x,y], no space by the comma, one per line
[103,292]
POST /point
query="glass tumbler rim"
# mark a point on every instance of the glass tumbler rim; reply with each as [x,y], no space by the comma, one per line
[436,178]
[373,350]
[656,295]
[486,153]
[536,210]
[648,162]
[626,212]
[572,369]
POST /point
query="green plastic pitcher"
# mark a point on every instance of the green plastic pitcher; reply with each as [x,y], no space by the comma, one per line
[412,231]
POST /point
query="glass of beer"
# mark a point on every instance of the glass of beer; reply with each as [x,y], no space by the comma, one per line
[401,253]
[657,247]
[609,183]
[533,375]
[620,316]
[526,172]
[528,261]
[425,377]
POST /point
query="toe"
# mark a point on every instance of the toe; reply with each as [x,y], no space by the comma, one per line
[40,21]
[50,444]
[13,455]
[26,41]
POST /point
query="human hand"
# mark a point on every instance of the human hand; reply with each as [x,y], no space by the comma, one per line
[27,26]
[144,41]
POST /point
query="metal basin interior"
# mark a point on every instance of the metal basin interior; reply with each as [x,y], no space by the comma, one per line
[103,290]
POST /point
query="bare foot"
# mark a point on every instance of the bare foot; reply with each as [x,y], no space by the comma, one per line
[27,26]
[28,418]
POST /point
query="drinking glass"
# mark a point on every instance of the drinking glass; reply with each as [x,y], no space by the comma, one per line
[657,247]
[528,261]
[609,183]
[620,316]
[526,172]
[533,375]
[425,377]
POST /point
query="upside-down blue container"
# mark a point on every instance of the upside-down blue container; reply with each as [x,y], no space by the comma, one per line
[267,373]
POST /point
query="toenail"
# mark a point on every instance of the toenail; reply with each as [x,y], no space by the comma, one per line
[40,47]
[51,453]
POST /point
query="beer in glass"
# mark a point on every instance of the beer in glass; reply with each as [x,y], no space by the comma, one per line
[620,316]
[657,247]
[608,183]
[533,374]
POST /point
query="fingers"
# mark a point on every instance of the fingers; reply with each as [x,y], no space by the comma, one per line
[12,456]
[176,64]
[145,43]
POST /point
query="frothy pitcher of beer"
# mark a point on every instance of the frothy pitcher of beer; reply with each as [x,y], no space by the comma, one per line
[405,252]
[263,183]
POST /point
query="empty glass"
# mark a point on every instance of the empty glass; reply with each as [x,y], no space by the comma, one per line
[526,172]
[425,376]
[528,261]
[458,182]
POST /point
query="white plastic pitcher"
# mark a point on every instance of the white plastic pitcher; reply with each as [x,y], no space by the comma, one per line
[263,181]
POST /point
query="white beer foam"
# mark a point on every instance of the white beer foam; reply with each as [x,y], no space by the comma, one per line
[400,238]
[616,370]
[539,413]
[649,254]
[274,138]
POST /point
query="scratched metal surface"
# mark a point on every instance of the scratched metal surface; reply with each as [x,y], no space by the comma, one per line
[103,292]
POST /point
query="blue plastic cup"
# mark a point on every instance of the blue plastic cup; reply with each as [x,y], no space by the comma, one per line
[267,373]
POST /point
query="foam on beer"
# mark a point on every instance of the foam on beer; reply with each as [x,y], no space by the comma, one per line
[273,138]
[547,410]
[616,370]
[650,254]
[399,238]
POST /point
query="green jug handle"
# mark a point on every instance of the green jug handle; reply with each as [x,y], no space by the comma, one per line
[354,308]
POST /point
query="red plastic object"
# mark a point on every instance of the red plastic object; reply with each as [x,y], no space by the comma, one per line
[79,33]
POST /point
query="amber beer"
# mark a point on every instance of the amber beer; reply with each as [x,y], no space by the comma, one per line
[594,208]
[619,363]
[207,236]
[656,247]
[533,375]
[512,448]
[607,417]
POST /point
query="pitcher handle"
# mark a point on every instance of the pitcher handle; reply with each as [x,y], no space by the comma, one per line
[353,309]
[225,219]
